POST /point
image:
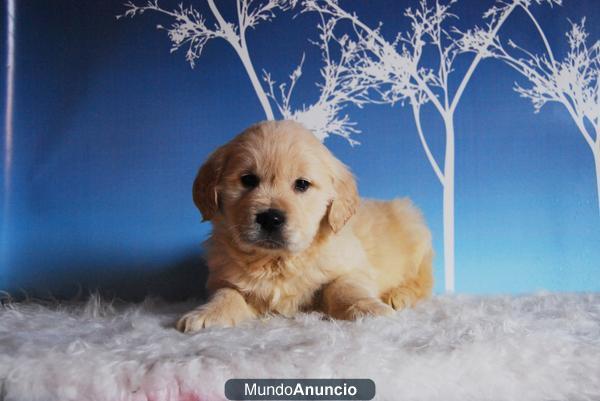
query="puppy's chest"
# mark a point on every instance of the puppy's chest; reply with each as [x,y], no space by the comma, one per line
[283,287]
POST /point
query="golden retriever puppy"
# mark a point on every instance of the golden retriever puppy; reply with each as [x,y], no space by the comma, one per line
[290,233]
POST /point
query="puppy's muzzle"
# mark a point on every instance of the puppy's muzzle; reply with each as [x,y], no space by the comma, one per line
[271,221]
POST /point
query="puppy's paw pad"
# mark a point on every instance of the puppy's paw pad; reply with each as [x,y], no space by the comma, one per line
[201,318]
[401,300]
[369,307]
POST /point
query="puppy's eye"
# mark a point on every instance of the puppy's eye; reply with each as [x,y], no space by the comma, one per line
[249,181]
[301,185]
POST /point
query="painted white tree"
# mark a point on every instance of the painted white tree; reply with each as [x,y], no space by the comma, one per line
[190,29]
[342,85]
[573,81]
[403,75]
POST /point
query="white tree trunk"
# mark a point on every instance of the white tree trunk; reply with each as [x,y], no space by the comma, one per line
[449,204]
[8,129]
[239,45]
[596,153]
[260,92]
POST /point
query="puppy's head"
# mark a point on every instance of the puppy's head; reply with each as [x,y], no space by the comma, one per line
[273,188]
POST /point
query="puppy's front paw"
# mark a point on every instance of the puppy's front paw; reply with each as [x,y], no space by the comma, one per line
[369,307]
[226,308]
[204,317]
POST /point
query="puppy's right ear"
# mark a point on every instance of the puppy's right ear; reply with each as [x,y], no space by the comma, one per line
[205,192]
[346,199]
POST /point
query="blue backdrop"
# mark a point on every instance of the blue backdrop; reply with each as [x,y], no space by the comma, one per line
[109,127]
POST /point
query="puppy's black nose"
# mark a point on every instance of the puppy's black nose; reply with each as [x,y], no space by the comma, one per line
[270,220]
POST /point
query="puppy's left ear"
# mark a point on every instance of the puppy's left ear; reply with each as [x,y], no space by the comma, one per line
[346,200]
[204,190]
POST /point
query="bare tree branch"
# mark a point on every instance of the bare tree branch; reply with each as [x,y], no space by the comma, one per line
[190,28]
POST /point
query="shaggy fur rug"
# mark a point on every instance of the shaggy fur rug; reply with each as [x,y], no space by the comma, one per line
[541,347]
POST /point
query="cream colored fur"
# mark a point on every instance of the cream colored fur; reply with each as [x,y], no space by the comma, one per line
[342,255]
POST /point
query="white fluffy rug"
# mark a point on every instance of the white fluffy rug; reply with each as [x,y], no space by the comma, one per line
[542,347]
